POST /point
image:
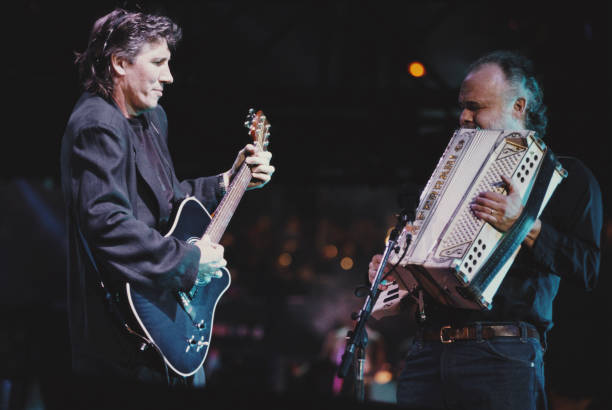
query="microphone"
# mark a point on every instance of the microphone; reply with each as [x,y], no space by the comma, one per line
[408,198]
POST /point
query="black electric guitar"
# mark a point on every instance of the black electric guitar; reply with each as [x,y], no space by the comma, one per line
[180,323]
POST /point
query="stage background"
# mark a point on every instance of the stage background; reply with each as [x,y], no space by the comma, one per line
[352,134]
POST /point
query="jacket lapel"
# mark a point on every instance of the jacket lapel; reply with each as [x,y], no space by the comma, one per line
[166,158]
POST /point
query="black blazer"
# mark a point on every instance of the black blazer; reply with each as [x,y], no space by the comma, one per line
[115,211]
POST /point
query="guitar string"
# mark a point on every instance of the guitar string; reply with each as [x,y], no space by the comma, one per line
[221,213]
[234,196]
[229,203]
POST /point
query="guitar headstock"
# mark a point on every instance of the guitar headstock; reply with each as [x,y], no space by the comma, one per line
[259,128]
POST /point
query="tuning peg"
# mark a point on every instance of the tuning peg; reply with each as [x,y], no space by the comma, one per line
[251,111]
[247,124]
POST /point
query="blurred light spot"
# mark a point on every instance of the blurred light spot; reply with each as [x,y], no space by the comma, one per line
[330,251]
[242,330]
[285,259]
[346,263]
[220,329]
[383,376]
[348,248]
[416,69]
[293,226]
[263,224]
[258,332]
[290,245]
[299,370]
[306,274]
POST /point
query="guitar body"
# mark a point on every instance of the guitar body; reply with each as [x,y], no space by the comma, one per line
[183,338]
[179,323]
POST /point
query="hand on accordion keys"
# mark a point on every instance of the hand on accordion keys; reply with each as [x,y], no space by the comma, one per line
[499,210]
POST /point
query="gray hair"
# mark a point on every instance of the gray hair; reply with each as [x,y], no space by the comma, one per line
[519,73]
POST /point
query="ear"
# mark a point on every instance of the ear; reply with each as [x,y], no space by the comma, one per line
[118,64]
[519,108]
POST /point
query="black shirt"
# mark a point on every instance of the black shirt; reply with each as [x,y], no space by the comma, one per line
[145,131]
[567,247]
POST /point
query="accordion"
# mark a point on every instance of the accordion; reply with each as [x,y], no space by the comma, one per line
[457,258]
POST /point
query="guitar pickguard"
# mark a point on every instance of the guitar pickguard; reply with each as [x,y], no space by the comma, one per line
[182,336]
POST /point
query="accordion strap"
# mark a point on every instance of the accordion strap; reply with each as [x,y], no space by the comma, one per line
[515,236]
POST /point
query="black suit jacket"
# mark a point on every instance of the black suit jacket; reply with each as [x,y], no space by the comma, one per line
[115,212]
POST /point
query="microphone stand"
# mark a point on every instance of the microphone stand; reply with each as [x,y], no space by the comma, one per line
[357,339]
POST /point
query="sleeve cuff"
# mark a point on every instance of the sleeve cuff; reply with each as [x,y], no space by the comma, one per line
[220,188]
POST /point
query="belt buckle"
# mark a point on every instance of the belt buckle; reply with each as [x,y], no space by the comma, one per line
[442,338]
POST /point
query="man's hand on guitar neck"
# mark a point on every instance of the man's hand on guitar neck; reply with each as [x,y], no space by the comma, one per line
[259,162]
[211,260]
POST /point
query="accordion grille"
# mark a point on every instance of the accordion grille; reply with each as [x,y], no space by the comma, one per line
[466,225]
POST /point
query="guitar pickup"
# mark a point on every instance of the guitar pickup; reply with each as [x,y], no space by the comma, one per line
[185,302]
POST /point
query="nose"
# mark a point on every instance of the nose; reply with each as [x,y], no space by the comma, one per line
[466,119]
[165,75]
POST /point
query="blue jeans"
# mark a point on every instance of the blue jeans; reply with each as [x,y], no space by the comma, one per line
[499,373]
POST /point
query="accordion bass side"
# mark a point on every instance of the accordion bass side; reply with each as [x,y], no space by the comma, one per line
[451,250]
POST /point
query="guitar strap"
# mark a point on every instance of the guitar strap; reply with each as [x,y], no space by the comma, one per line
[111,303]
[108,296]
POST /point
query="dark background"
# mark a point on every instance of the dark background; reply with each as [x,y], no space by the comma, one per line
[350,127]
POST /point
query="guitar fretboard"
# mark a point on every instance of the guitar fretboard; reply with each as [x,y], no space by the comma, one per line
[226,208]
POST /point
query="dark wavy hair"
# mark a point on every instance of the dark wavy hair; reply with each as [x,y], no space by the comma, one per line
[122,33]
[519,72]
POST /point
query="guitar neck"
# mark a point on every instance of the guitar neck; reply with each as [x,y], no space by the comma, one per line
[226,208]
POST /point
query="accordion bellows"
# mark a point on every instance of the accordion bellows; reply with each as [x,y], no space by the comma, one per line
[449,244]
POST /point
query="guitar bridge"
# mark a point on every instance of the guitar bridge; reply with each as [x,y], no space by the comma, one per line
[199,344]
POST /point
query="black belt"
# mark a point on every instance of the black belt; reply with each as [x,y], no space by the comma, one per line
[448,334]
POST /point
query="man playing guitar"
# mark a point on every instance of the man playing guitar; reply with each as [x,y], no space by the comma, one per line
[120,191]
